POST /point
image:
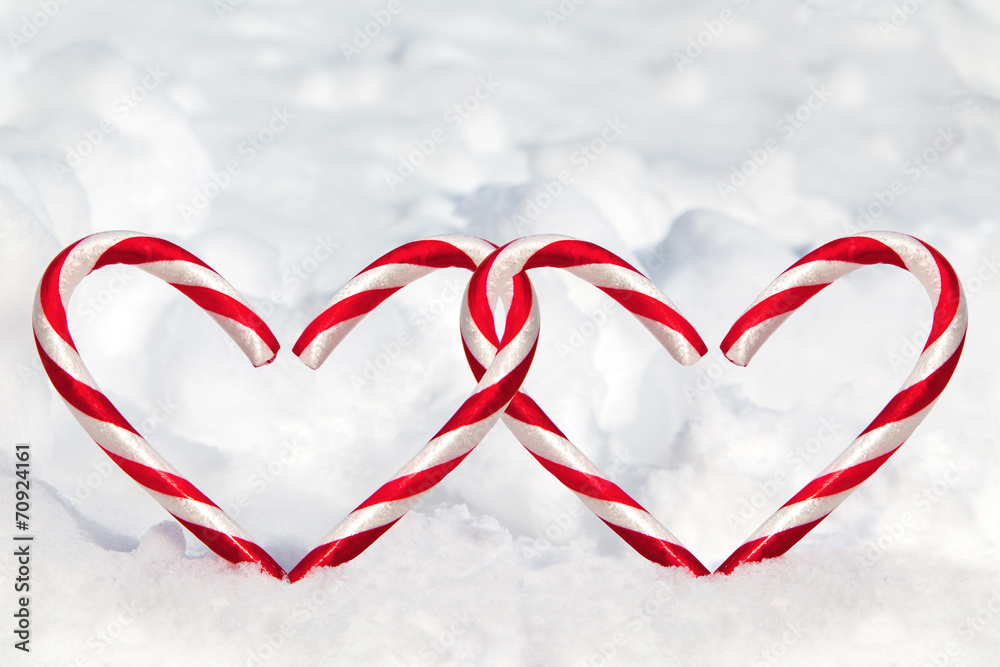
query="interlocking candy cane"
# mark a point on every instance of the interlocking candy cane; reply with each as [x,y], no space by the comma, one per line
[904,412]
[529,423]
[464,430]
[109,429]
[542,438]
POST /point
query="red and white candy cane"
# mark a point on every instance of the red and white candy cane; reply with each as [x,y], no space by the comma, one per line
[467,427]
[904,412]
[529,423]
[109,429]
[541,437]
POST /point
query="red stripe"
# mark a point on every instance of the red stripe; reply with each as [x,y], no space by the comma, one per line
[144,250]
[588,485]
[338,552]
[225,305]
[435,254]
[160,481]
[659,551]
[949,300]
[234,549]
[520,309]
[524,409]
[853,249]
[569,253]
[479,304]
[84,398]
[653,309]
[840,480]
[771,307]
[913,399]
[490,400]
[50,298]
[769,546]
[412,485]
[348,308]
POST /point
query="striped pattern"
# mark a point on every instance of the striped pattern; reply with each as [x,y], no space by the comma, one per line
[899,418]
[531,425]
[109,429]
[500,364]
[467,427]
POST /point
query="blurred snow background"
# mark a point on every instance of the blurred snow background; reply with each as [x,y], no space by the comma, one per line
[712,144]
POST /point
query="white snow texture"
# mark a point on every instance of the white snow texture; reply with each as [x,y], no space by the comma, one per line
[711,145]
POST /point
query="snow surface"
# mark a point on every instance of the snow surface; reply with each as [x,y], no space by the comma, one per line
[501,565]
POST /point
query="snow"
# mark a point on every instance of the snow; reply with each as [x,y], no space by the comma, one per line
[245,131]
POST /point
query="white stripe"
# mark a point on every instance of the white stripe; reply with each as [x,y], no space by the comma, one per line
[617,277]
[916,257]
[938,354]
[550,446]
[183,272]
[481,348]
[59,351]
[679,347]
[819,272]
[248,340]
[877,443]
[381,277]
[799,514]
[81,260]
[370,517]
[448,446]
[473,247]
[750,342]
[516,351]
[122,442]
[323,345]
[629,517]
[199,513]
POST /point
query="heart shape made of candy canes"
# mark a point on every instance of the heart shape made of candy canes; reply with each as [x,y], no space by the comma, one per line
[789,291]
[131,452]
[532,427]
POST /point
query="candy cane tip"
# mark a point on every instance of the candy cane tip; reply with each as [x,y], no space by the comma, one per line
[260,355]
[737,359]
[311,359]
[740,347]
[265,362]
[686,352]
[691,358]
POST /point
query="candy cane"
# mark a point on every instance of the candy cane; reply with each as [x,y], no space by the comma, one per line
[528,422]
[904,412]
[464,430]
[109,429]
[535,430]
[380,280]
